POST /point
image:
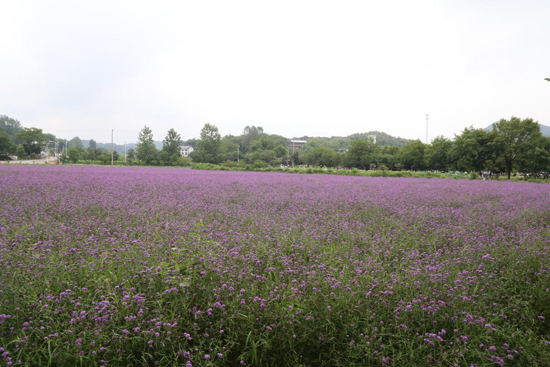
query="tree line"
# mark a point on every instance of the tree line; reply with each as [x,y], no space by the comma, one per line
[514,145]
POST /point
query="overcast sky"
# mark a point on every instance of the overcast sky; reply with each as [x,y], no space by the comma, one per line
[316,68]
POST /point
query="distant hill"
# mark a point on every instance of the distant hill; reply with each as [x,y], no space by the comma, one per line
[545,130]
[343,142]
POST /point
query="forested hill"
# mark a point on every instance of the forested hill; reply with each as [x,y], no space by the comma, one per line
[544,129]
[343,142]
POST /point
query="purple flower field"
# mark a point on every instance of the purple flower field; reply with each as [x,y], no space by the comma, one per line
[104,266]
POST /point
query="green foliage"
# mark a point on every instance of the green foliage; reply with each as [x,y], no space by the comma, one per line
[6,143]
[361,154]
[516,141]
[412,156]
[76,143]
[474,150]
[208,146]
[10,126]
[93,144]
[171,144]
[323,156]
[106,158]
[230,148]
[131,154]
[20,152]
[269,149]
[438,154]
[250,134]
[32,140]
[93,154]
[183,162]
[387,157]
[381,138]
[76,154]
[146,151]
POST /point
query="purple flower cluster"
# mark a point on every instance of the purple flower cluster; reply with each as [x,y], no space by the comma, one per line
[126,266]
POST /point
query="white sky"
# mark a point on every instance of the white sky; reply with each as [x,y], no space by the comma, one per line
[317,68]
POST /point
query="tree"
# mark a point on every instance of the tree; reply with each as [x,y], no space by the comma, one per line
[105,158]
[93,144]
[76,143]
[6,143]
[361,154]
[516,140]
[270,149]
[250,134]
[323,156]
[230,149]
[388,157]
[10,126]
[93,154]
[131,154]
[32,140]
[412,156]
[76,154]
[146,151]
[208,145]
[20,151]
[473,150]
[438,154]
[547,79]
[171,147]
[539,157]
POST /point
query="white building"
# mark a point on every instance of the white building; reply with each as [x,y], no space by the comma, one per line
[185,150]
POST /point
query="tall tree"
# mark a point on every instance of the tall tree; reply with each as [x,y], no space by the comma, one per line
[361,154]
[438,154]
[170,148]
[131,154]
[473,150]
[208,145]
[76,142]
[250,134]
[412,156]
[269,149]
[516,140]
[171,143]
[323,156]
[6,143]
[146,151]
[32,140]
[388,156]
[10,126]
[93,144]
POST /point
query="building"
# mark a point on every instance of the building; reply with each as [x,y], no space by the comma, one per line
[185,150]
[296,144]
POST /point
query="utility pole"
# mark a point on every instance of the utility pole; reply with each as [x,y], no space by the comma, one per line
[427,117]
[112,156]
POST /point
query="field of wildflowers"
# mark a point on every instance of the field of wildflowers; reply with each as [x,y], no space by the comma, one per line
[105,266]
